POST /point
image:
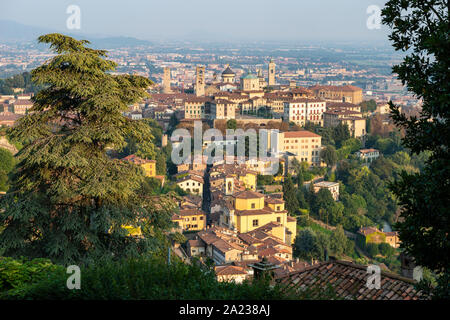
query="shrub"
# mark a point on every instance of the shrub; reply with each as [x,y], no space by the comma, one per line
[15,273]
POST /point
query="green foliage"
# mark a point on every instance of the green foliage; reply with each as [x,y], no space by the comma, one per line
[301,198]
[353,144]
[370,185]
[289,196]
[340,134]
[20,272]
[147,279]
[339,242]
[386,250]
[232,124]
[264,180]
[303,220]
[368,106]
[177,237]
[22,80]
[372,249]
[420,29]
[309,245]
[329,156]
[68,200]
[7,163]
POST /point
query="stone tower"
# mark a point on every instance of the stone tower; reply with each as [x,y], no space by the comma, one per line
[166,80]
[271,73]
[200,82]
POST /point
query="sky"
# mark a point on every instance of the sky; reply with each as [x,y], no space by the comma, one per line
[219,20]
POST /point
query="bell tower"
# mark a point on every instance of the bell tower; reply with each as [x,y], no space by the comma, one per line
[200,81]
[166,80]
[271,70]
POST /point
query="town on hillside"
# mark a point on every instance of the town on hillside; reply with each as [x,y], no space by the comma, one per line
[326,204]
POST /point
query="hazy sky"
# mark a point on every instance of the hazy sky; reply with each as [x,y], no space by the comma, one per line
[221,20]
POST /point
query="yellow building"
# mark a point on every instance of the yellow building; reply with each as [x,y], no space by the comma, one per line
[190,219]
[250,210]
[149,166]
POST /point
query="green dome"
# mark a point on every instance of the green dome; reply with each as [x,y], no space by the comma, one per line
[249,76]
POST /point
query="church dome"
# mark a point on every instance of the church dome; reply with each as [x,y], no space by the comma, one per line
[228,71]
[249,76]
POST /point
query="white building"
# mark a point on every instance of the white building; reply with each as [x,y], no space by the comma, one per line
[368,155]
[333,187]
[302,110]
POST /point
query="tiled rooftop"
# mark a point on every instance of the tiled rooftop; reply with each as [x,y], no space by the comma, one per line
[350,282]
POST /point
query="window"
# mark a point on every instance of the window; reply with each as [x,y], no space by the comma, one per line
[255,222]
[278,219]
[278,209]
[253,206]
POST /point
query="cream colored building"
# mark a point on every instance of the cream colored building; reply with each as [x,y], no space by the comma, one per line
[353,119]
[223,109]
[195,107]
[333,187]
[303,145]
[304,110]
[346,93]
[250,82]
[22,106]
[191,184]
[368,155]
[228,76]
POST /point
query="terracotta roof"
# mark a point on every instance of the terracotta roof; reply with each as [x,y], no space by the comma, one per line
[248,194]
[190,212]
[137,160]
[341,105]
[368,230]
[229,270]
[336,88]
[23,102]
[273,200]
[196,243]
[306,100]
[349,281]
[368,150]
[191,177]
[300,134]
[253,212]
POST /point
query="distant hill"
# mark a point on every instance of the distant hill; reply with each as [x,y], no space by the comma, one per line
[11,31]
